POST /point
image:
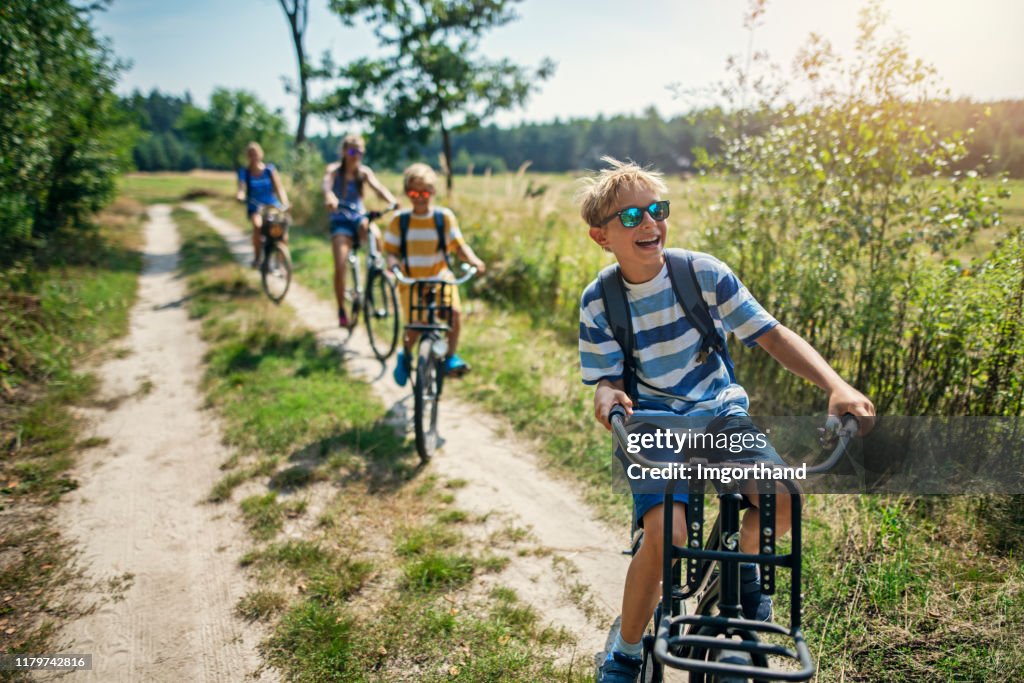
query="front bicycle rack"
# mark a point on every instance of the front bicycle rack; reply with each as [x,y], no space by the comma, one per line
[680,637]
[429,304]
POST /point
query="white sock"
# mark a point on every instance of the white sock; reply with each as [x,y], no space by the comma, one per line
[631,649]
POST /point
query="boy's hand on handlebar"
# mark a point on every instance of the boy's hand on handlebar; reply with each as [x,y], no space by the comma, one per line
[607,396]
[479,265]
[845,400]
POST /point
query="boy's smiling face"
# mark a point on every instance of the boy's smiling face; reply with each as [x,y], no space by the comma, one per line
[638,250]
[419,194]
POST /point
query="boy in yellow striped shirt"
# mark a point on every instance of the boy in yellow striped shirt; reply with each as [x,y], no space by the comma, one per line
[424,258]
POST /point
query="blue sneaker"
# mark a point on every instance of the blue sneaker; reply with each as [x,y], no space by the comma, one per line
[455,366]
[402,369]
[756,605]
[619,668]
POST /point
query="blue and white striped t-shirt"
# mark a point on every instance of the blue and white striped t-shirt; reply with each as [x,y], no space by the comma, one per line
[666,344]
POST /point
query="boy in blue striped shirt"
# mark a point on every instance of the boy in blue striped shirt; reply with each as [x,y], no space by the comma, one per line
[623,207]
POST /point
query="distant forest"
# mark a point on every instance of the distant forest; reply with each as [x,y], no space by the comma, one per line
[997,143]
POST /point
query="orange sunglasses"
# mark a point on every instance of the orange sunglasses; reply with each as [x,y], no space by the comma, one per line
[418,194]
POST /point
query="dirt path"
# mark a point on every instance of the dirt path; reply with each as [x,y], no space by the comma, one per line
[502,475]
[138,514]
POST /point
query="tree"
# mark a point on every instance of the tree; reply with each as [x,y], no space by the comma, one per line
[235,118]
[433,78]
[297,12]
[63,137]
[162,147]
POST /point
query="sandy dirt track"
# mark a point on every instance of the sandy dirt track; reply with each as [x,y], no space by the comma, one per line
[138,514]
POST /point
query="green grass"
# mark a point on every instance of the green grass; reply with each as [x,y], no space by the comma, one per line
[905,589]
[167,188]
[264,515]
[61,314]
[260,605]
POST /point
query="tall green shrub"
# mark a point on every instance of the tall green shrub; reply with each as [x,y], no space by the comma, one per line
[841,216]
[63,139]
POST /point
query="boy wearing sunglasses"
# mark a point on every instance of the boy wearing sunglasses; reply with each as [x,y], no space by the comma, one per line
[670,369]
[425,229]
[343,195]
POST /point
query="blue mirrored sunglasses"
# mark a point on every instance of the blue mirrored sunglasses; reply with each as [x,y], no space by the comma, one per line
[633,216]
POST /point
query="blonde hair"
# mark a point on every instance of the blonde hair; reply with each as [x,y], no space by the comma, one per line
[422,173]
[256,146]
[598,193]
[352,140]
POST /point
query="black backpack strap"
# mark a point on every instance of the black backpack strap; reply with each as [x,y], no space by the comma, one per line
[403,231]
[691,298]
[442,235]
[248,184]
[616,308]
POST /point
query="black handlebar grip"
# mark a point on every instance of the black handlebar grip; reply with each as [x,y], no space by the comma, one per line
[617,411]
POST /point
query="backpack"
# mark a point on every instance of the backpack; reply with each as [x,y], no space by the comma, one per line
[688,293]
[403,228]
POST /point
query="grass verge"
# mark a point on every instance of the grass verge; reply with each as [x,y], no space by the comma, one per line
[371,576]
[60,314]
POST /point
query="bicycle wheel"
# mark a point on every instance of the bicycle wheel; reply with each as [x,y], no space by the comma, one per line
[381,314]
[276,272]
[730,657]
[426,392]
[353,293]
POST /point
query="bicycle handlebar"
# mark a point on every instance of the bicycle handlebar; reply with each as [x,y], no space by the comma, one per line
[844,430]
[374,215]
[469,271]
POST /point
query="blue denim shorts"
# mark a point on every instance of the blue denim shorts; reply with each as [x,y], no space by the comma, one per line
[341,225]
[726,424]
[253,207]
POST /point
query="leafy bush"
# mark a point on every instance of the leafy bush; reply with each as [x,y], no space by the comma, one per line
[843,219]
[63,139]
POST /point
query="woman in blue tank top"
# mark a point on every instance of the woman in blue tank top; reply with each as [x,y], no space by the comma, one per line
[259,183]
[343,195]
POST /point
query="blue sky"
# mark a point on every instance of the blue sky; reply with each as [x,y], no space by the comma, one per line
[613,56]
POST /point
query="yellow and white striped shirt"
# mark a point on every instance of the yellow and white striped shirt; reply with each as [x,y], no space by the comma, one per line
[424,255]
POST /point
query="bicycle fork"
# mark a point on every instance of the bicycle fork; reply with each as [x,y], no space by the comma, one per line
[729,579]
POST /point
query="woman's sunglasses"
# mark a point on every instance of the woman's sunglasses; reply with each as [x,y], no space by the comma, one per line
[633,216]
[419,194]
[354,152]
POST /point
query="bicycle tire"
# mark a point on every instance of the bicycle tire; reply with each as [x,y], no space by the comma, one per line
[381,314]
[426,393]
[276,272]
[353,293]
[730,657]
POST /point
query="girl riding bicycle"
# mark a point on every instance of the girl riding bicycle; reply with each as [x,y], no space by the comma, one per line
[343,195]
[259,184]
